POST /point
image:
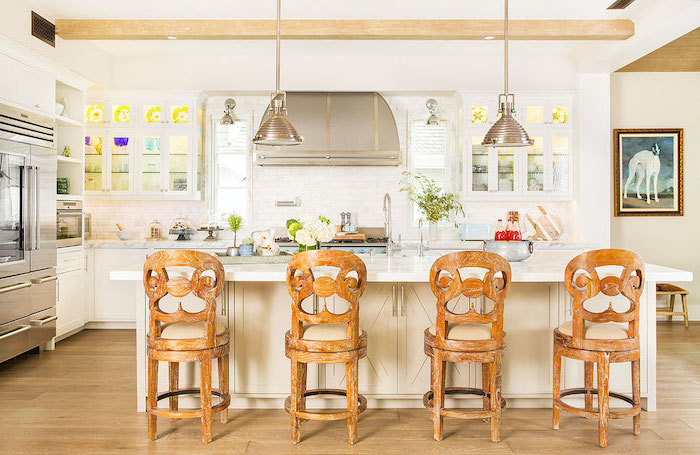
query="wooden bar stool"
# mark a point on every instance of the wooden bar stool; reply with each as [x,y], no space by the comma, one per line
[182,336]
[672,291]
[468,337]
[600,338]
[325,337]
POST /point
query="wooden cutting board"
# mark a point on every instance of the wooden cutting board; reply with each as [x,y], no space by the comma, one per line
[547,225]
[358,236]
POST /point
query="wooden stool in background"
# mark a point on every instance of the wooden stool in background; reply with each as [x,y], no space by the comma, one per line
[672,291]
[182,336]
[469,337]
[600,338]
[325,337]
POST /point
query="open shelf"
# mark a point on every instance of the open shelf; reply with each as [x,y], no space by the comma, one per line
[66,159]
[69,197]
[67,121]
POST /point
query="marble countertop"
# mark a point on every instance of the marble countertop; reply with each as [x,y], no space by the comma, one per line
[541,267]
[158,244]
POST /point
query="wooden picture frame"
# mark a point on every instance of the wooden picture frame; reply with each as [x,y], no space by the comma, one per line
[648,171]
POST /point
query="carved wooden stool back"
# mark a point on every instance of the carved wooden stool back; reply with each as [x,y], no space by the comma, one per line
[612,342]
[348,284]
[447,285]
[210,343]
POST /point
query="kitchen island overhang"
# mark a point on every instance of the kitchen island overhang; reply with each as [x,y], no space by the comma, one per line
[396,308]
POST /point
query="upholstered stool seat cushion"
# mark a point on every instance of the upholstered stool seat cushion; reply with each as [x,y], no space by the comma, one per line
[188,330]
[325,332]
[598,331]
[466,332]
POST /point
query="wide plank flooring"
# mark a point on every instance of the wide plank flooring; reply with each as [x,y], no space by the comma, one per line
[79,399]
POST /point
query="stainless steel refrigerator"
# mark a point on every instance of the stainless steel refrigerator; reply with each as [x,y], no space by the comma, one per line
[27,231]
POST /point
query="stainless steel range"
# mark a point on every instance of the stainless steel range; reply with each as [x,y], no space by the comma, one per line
[27,232]
[376,244]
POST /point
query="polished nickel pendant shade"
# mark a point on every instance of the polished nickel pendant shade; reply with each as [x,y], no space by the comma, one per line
[275,127]
[506,132]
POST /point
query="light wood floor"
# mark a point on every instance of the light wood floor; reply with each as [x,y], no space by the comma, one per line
[80,399]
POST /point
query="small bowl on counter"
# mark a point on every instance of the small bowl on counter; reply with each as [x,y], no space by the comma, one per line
[124,235]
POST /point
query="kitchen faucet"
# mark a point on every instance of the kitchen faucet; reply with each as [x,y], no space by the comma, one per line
[387,224]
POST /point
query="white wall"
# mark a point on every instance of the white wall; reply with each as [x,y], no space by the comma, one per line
[663,100]
[82,57]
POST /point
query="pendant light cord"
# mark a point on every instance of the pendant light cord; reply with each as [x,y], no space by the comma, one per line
[277,76]
[505,40]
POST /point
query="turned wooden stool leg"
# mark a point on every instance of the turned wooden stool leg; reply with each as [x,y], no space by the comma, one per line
[174,379]
[205,392]
[636,396]
[588,381]
[671,304]
[152,401]
[223,383]
[603,398]
[494,379]
[556,383]
[486,385]
[303,368]
[438,366]
[685,309]
[351,394]
[294,400]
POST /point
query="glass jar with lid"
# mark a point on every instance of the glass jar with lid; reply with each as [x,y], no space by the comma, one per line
[155,231]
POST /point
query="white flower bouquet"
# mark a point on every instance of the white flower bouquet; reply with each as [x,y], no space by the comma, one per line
[309,232]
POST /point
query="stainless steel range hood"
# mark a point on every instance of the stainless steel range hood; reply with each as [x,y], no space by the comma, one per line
[339,129]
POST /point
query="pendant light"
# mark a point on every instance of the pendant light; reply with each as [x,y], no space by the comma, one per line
[506,132]
[275,128]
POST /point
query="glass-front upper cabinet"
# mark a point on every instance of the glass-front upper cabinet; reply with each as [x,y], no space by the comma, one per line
[179,154]
[151,164]
[120,163]
[94,162]
[158,113]
[541,170]
[122,115]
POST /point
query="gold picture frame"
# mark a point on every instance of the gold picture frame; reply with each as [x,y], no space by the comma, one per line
[648,172]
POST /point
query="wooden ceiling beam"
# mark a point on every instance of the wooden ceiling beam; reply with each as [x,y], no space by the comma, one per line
[322,29]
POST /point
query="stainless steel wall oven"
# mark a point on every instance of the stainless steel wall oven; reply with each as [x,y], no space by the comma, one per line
[69,223]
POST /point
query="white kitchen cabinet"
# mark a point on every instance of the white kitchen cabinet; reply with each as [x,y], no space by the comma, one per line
[70,302]
[114,300]
[127,163]
[70,290]
[26,87]
[378,374]
[261,317]
[149,146]
[540,172]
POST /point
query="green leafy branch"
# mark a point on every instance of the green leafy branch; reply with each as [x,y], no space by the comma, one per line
[235,222]
[436,204]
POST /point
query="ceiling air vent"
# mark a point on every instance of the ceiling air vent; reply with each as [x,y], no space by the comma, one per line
[43,29]
[620,4]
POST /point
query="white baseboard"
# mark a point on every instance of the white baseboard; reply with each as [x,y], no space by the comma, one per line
[111,325]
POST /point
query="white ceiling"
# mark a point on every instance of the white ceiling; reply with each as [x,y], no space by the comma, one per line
[337,9]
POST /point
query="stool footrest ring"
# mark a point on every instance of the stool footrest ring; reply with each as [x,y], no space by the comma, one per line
[188,413]
[614,414]
[327,414]
[428,396]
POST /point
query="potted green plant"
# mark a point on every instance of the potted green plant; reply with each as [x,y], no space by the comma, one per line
[435,204]
[247,247]
[235,222]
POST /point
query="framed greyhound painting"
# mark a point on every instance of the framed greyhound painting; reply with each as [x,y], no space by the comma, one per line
[648,172]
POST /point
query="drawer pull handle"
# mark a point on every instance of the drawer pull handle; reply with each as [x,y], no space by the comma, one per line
[44,321]
[45,279]
[17,331]
[15,287]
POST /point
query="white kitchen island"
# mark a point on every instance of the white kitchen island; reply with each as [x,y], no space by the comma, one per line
[395,309]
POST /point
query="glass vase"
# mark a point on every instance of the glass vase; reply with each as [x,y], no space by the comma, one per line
[432,231]
[309,248]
